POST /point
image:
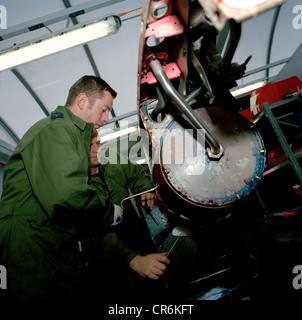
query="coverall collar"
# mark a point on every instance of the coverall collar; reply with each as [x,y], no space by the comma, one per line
[80,123]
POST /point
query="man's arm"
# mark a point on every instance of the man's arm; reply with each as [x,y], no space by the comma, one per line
[59,178]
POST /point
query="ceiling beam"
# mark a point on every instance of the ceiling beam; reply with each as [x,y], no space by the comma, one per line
[87,50]
[55,17]
[30,90]
[266,67]
[271,38]
[5,150]
[9,130]
[89,56]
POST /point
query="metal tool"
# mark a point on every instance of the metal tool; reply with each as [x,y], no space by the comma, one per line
[138,194]
[173,245]
[148,211]
[163,234]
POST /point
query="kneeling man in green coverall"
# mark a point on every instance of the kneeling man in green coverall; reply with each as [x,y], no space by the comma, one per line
[128,243]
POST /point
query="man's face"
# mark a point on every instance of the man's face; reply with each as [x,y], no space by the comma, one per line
[98,112]
[95,149]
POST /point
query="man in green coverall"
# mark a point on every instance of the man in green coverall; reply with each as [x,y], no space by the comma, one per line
[47,202]
[128,244]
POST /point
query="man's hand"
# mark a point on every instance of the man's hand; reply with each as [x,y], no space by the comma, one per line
[151,266]
[148,199]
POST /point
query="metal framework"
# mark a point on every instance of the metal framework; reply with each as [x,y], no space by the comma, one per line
[70,14]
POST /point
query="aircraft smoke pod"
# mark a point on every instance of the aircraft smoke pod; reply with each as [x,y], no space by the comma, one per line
[189,180]
[205,156]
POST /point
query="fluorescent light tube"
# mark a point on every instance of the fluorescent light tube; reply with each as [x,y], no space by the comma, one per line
[248,88]
[59,42]
[117,134]
[143,161]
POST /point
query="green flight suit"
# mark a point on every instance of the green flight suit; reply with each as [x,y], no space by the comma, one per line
[108,264]
[46,205]
[120,178]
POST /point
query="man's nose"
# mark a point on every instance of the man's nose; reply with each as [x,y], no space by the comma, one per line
[95,148]
[105,117]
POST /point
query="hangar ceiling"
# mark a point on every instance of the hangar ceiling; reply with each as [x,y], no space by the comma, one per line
[31,91]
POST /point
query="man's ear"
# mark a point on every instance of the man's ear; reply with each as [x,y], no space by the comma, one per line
[82,100]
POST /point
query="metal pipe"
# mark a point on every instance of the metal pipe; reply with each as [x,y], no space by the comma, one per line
[202,74]
[235,33]
[216,149]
